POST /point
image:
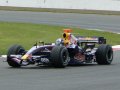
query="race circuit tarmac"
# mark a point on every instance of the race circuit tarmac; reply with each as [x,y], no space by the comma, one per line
[89,21]
[82,77]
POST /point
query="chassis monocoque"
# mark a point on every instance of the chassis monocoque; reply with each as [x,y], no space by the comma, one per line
[68,50]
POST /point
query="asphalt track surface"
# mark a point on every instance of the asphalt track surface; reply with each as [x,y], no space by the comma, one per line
[90,21]
[83,77]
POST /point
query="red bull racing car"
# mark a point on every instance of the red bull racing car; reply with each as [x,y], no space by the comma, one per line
[68,50]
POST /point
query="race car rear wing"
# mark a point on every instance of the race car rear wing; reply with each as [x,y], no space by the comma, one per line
[98,40]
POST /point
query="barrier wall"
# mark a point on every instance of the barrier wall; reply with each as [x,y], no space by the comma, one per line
[113,5]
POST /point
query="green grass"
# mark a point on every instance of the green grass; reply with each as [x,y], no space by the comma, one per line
[81,11]
[27,34]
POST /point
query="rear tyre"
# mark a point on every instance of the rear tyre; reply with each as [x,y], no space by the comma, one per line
[14,50]
[104,54]
[59,56]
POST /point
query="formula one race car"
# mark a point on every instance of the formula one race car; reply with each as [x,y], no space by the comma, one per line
[68,50]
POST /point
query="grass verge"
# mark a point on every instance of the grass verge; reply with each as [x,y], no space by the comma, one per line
[27,34]
[103,12]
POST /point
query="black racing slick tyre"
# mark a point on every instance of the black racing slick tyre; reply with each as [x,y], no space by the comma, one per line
[104,54]
[14,50]
[59,56]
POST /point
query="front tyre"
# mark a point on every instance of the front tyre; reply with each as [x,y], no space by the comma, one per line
[104,54]
[14,50]
[59,56]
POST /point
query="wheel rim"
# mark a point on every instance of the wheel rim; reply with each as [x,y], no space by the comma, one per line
[65,57]
[109,55]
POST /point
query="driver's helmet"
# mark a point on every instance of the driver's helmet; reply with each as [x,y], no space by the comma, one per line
[59,42]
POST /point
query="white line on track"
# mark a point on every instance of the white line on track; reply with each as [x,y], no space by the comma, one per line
[101,30]
[116,47]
